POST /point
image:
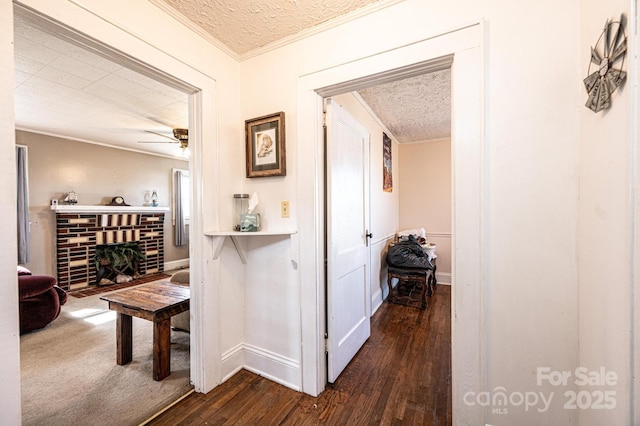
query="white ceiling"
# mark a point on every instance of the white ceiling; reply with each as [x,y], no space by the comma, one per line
[63,89]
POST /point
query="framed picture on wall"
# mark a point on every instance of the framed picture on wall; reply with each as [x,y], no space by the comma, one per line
[387,176]
[266,155]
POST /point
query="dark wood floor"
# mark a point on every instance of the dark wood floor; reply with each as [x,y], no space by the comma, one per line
[401,376]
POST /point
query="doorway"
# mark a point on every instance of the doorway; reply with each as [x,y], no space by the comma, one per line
[464,48]
[417,193]
[200,89]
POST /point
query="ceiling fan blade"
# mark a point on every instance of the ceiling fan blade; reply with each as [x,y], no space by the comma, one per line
[160,134]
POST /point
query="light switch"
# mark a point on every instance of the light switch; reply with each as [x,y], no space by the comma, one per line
[284,209]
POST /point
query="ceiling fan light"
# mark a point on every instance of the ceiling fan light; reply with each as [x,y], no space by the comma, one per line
[181,134]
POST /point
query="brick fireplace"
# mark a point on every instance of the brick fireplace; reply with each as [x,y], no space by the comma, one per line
[79,229]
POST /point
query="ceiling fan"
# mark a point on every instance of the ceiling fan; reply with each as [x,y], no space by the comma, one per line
[180,136]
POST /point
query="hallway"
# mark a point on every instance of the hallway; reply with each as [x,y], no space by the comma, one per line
[402,375]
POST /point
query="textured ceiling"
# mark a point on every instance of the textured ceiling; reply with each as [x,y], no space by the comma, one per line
[414,109]
[64,90]
[245,25]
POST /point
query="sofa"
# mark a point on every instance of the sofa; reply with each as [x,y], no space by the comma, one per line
[181,321]
[40,300]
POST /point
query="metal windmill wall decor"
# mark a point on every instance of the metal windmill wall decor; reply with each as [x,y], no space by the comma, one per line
[608,56]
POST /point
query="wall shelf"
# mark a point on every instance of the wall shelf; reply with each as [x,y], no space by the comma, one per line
[220,236]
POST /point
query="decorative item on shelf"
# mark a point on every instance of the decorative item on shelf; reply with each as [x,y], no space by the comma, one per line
[250,221]
[266,155]
[117,201]
[240,206]
[71,198]
[147,198]
[154,198]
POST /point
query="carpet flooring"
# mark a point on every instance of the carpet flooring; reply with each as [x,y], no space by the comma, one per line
[97,289]
[69,374]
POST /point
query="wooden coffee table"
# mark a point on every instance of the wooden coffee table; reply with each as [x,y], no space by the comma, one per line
[156,302]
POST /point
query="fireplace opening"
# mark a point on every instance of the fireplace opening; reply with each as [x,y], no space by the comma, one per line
[118,262]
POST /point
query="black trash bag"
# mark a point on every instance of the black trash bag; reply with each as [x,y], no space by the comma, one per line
[408,254]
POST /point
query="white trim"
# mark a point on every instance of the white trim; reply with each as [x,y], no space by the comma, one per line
[106,145]
[161,65]
[438,234]
[373,115]
[317,29]
[320,28]
[75,208]
[172,265]
[444,139]
[262,362]
[443,278]
[387,76]
[634,158]
[273,366]
[160,4]
[466,44]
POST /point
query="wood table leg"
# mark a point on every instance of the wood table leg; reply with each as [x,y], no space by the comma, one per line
[124,339]
[161,349]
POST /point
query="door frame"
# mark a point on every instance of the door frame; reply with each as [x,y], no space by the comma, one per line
[80,24]
[463,48]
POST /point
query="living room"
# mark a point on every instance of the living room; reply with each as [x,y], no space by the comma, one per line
[96,173]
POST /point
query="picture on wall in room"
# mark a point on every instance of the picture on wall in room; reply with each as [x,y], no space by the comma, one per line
[387,177]
[265,146]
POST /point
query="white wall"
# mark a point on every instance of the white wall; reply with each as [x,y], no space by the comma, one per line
[10,352]
[530,164]
[606,224]
[425,196]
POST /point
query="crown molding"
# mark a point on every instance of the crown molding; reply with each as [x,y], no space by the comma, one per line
[375,117]
[337,21]
[93,142]
[317,29]
[195,28]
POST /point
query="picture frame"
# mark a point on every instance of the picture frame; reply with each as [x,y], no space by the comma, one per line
[387,164]
[265,146]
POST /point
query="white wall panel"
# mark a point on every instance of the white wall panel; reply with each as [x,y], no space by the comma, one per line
[10,352]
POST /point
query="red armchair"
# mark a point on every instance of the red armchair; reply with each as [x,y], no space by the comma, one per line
[40,300]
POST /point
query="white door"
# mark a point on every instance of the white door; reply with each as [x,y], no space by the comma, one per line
[348,254]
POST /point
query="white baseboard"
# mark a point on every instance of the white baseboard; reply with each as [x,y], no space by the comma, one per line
[176,264]
[443,278]
[376,301]
[272,366]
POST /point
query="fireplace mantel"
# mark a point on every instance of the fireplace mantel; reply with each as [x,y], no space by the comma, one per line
[76,208]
